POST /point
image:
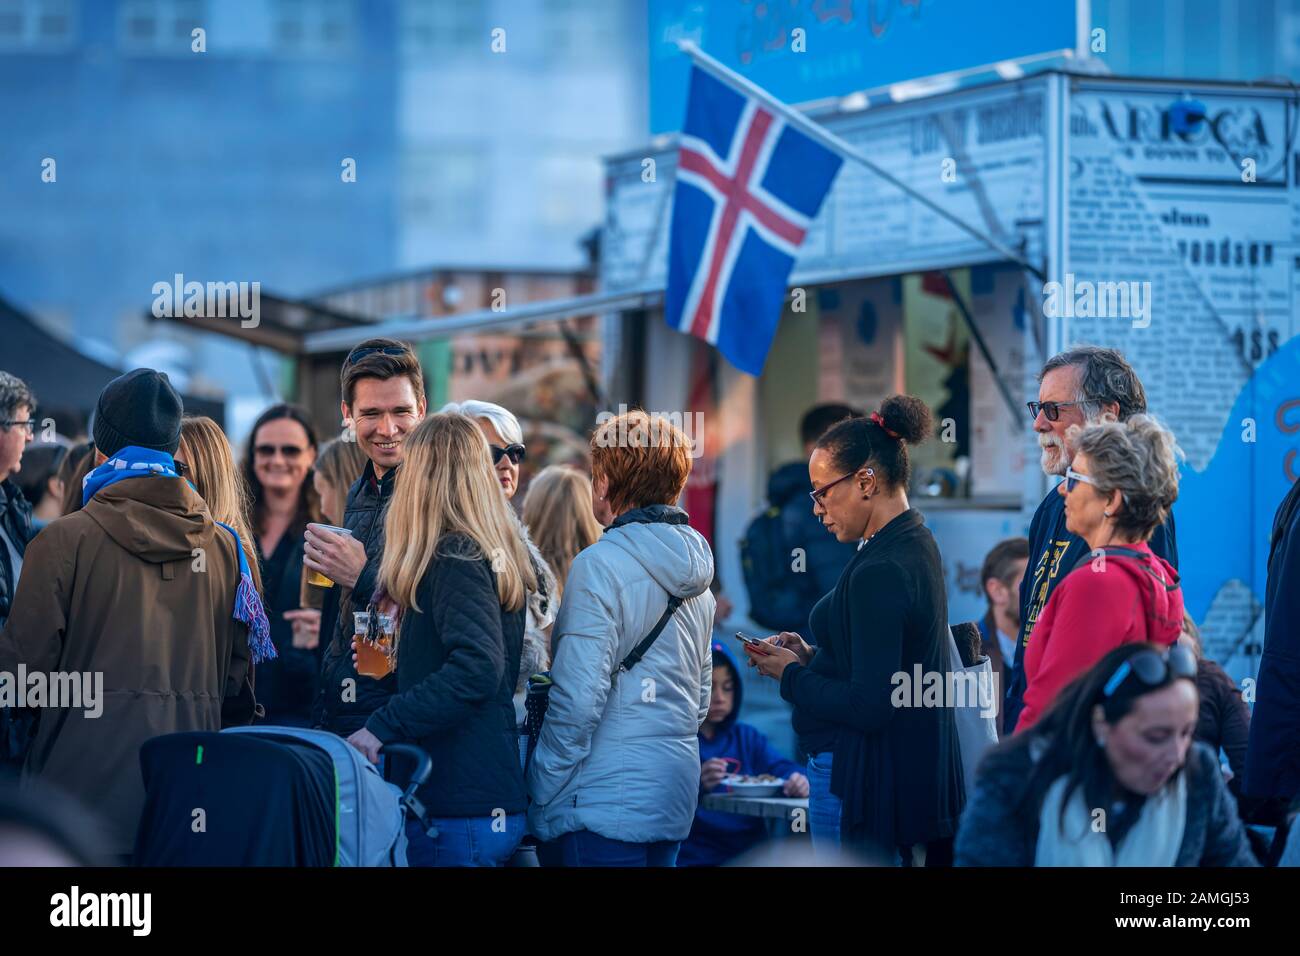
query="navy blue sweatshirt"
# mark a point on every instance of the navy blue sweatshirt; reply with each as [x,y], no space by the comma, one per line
[1053,553]
[1273,757]
[716,836]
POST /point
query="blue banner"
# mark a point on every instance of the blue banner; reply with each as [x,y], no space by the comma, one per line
[845,45]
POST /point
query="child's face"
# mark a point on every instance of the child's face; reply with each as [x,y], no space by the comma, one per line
[723,696]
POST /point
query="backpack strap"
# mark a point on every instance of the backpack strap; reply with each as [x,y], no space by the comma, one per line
[1119,551]
[638,652]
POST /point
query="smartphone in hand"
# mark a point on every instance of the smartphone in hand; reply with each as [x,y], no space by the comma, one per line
[753,643]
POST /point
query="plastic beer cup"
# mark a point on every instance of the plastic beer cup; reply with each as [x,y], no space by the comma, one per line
[315,577]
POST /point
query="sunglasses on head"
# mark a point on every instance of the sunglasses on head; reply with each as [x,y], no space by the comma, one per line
[288,451]
[355,357]
[515,453]
[1152,669]
[1050,410]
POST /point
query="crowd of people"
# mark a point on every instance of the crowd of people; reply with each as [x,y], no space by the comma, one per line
[212,594]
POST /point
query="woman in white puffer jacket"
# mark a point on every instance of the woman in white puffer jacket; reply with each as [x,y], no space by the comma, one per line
[616,774]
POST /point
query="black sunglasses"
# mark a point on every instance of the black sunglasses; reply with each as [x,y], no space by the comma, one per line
[359,354]
[290,452]
[515,451]
[1050,409]
[1153,668]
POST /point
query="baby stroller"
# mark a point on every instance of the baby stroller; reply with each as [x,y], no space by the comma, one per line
[273,796]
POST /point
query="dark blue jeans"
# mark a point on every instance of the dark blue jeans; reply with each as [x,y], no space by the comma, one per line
[823,806]
[465,841]
[824,811]
[584,848]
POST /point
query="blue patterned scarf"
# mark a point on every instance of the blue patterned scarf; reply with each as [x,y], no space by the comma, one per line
[135,462]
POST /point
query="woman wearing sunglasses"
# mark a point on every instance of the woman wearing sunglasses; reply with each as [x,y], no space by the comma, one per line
[884,778]
[1118,490]
[505,439]
[1109,776]
[278,470]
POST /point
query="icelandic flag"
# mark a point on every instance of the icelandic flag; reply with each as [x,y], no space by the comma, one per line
[748,187]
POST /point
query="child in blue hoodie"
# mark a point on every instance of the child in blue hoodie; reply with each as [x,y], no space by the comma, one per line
[717,837]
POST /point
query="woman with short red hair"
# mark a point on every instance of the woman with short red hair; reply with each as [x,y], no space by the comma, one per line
[615,776]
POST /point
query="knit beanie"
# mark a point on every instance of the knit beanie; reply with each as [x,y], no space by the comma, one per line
[139,408]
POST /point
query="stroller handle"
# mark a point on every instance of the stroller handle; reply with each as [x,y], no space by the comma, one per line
[423,765]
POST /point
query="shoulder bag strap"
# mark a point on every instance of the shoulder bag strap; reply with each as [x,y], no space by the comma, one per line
[640,650]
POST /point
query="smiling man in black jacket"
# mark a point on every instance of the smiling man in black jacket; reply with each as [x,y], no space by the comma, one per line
[383,397]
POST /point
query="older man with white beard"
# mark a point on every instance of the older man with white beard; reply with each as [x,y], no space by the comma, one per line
[1076,387]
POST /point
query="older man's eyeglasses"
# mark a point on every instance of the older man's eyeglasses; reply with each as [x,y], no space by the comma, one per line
[29,426]
[1051,410]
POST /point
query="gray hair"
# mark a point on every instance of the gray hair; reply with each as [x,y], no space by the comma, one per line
[502,420]
[1138,458]
[1104,377]
[14,394]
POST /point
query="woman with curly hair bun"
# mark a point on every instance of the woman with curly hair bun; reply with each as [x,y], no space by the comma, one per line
[885,772]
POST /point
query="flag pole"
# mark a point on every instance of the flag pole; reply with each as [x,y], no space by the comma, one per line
[818,133]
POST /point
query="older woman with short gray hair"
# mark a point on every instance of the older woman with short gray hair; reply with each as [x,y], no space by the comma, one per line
[1118,490]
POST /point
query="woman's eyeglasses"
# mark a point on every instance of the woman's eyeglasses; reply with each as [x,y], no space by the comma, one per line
[290,452]
[1072,479]
[1051,410]
[1153,668]
[819,493]
[515,453]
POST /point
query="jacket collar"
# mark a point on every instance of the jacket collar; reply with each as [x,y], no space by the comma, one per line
[10,495]
[381,486]
[989,640]
[899,524]
[652,514]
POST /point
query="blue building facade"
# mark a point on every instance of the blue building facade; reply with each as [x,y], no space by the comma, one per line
[129,156]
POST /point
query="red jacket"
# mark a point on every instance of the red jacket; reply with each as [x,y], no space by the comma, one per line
[1093,611]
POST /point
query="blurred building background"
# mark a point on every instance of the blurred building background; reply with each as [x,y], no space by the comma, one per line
[498,145]
[1205,39]
[227,165]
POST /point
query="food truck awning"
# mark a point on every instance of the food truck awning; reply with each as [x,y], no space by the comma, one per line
[282,324]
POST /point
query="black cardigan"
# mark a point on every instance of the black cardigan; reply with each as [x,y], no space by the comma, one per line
[457,663]
[896,769]
[287,684]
